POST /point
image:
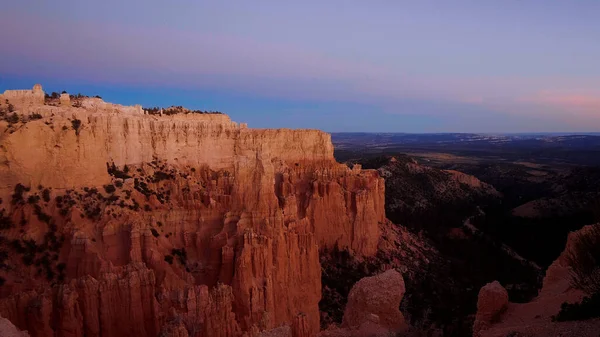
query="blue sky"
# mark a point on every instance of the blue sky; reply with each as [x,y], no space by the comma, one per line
[390,66]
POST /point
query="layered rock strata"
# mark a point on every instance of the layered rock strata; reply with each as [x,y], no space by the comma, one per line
[117,223]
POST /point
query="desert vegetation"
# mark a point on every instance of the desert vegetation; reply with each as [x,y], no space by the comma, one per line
[54,98]
[76,124]
[10,115]
[173,110]
[584,259]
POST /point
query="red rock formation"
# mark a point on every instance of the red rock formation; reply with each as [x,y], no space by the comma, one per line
[491,304]
[158,224]
[377,296]
[373,308]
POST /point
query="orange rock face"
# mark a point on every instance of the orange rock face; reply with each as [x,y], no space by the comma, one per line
[376,299]
[128,224]
[373,308]
[491,304]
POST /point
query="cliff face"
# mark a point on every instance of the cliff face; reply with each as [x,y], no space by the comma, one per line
[117,223]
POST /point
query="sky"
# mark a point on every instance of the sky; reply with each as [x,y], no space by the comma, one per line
[372,66]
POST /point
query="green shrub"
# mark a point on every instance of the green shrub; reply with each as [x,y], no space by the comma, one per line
[109,188]
[46,195]
[5,222]
[181,254]
[584,259]
[41,215]
[154,232]
[169,259]
[12,119]
[135,206]
[33,199]
[17,197]
[115,172]
[159,176]
[35,116]
[76,123]
[588,308]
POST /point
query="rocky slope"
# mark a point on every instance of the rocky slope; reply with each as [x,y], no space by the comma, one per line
[436,205]
[118,223]
[418,196]
[496,317]
[7,329]
[398,249]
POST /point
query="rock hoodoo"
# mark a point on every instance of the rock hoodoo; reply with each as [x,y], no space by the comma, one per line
[376,298]
[65,99]
[491,303]
[373,307]
[114,222]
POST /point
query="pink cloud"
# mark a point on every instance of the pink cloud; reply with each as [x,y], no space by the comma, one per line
[588,103]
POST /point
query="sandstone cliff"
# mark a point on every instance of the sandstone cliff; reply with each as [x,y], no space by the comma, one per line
[114,222]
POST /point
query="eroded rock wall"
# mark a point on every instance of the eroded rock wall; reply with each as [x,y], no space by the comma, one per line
[116,223]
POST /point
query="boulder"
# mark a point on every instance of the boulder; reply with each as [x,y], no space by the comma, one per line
[373,304]
[492,301]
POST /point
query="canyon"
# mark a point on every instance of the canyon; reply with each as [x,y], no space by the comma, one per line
[122,221]
[119,223]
